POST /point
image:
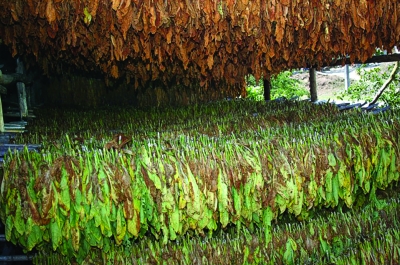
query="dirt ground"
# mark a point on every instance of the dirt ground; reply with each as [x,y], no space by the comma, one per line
[327,84]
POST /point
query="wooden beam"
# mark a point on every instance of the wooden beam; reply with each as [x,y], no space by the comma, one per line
[6,79]
[374,59]
[267,89]
[313,84]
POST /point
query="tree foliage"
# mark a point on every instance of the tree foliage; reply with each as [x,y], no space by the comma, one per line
[369,84]
[283,85]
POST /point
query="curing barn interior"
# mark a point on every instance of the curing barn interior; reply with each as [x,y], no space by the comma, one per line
[126,136]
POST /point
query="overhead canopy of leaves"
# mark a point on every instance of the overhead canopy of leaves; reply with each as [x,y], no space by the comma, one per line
[185,40]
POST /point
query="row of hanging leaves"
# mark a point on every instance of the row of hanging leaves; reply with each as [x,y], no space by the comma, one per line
[206,41]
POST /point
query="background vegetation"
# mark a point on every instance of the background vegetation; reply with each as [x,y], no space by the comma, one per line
[370,82]
[282,86]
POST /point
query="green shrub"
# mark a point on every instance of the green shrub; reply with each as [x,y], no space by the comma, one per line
[369,84]
[283,85]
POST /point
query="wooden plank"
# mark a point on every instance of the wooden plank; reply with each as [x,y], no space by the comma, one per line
[18,145]
[5,148]
[351,106]
[14,131]
[8,114]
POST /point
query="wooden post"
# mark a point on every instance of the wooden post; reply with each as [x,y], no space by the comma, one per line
[1,117]
[313,84]
[23,107]
[347,77]
[267,89]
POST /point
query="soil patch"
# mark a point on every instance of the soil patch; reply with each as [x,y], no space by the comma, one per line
[327,84]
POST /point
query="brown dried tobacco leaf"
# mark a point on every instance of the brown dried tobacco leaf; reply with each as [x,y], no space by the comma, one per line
[34,213]
[52,30]
[50,11]
[153,18]
[115,4]
[285,2]
[114,71]
[123,8]
[137,22]
[47,202]
[32,7]
[93,5]
[126,22]
[163,13]
[128,209]
[19,7]
[14,13]
[119,140]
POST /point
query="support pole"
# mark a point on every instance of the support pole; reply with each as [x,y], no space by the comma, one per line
[23,106]
[347,77]
[3,91]
[313,84]
[1,117]
[267,89]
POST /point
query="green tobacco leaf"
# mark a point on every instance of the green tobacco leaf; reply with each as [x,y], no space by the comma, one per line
[105,225]
[66,231]
[294,202]
[329,186]
[75,237]
[175,221]
[312,191]
[281,202]
[55,233]
[332,160]
[34,237]
[289,255]
[268,216]
[298,203]
[205,219]
[196,206]
[88,17]
[335,189]
[93,234]
[237,201]
[79,200]
[134,223]
[19,222]
[9,227]
[222,200]
[121,226]
[105,187]
[156,180]
[65,199]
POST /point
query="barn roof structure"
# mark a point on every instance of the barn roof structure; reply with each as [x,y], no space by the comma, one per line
[204,41]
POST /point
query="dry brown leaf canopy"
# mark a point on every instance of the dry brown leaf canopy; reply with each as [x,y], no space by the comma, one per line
[186,40]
